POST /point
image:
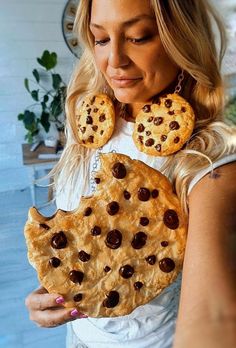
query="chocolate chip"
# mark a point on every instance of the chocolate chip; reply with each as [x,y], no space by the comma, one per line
[55,262]
[89,120]
[119,170]
[168,103]
[83,256]
[171,219]
[138,285]
[140,138]
[102,103]
[78,297]
[113,208]
[107,269]
[158,147]
[91,139]
[88,211]
[89,110]
[144,221]
[139,240]
[166,265]
[163,137]
[112,299]
[158,121]
[102,118]
[59,240]
[171,112]
[176,140]
[83,129]
[183,109]
[151,259]
[95,110]
[113,239]
[141,128]
[102,131]
[149,142]
[127,195]
[148,133]
[147,108]
[143,194]
[94,128]
[126,271]
[174,125]
[150,119]
[96,231]
[97,180]
[44,226]
[164,243]
[76,276]
[155,193]
[93,100]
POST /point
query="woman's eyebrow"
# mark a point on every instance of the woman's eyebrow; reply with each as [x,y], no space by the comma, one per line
[129,22]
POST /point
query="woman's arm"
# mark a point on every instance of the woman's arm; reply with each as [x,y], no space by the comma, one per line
[207,313]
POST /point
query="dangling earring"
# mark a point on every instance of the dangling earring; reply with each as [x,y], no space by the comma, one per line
[95,120]
[164,126]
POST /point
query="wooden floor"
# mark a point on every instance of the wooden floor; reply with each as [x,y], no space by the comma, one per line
[18,278]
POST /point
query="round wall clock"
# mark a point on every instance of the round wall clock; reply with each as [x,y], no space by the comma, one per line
[68,17]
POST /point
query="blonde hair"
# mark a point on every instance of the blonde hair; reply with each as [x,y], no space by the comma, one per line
[185,29]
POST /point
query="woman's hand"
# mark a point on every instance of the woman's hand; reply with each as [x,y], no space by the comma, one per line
[47,310]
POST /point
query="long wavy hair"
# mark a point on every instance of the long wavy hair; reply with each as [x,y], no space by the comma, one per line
[185,29]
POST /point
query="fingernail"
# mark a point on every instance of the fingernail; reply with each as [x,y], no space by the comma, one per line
[74,313]
[83,316]
[60,300]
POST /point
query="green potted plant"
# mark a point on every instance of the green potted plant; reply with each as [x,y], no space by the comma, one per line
[230,110]
[48,93]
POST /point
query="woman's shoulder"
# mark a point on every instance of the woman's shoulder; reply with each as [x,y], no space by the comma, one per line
[212,171]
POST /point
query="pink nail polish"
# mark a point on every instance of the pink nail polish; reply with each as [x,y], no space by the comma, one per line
[74,313]
[60,300]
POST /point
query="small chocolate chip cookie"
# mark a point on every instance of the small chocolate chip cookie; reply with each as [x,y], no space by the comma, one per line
[95,120]
[163,127]
[119,249]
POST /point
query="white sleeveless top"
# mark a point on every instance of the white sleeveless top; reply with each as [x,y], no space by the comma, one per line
[153,324]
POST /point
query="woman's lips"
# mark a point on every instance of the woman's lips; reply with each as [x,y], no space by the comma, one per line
[124,82]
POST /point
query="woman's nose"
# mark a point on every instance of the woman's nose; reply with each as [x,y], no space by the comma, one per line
[117,56]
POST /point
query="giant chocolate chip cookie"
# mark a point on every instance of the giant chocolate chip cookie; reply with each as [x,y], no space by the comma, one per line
[119,249]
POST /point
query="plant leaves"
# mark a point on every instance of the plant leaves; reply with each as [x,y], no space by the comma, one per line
[56,80]
[55,106]
[36,75]
[20,117]
[35,95]
[48,60]
[45,98]
[45,121]
[26,83]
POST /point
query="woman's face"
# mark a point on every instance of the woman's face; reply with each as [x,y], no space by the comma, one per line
[128,50]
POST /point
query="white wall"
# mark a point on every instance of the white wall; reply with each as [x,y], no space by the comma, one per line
[27,28]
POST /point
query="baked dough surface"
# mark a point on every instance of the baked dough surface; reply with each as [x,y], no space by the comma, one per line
[119,249]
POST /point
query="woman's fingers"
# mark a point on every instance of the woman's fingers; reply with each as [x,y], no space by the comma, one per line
[51,318]
[47,310]
[40,299]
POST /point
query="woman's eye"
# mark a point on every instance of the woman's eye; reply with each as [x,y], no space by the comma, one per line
[101,42]
[140,40]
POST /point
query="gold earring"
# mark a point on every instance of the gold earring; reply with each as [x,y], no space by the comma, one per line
[95,120]
[163,127]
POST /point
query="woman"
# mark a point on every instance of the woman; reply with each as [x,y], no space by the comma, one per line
[135,51]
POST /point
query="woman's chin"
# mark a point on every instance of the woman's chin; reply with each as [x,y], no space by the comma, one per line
[126,97]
